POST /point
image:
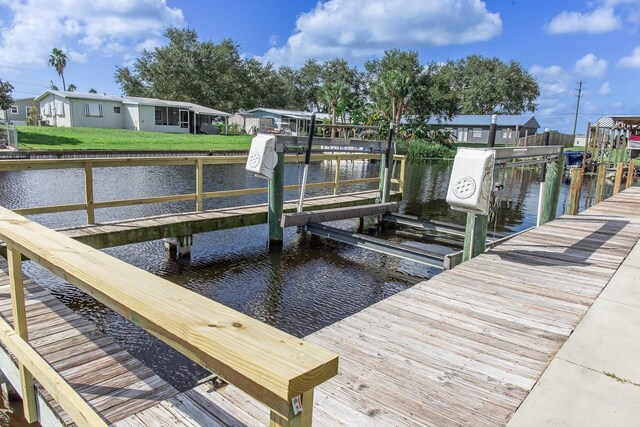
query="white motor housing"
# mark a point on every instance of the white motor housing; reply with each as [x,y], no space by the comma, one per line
[262,156]
[471,180]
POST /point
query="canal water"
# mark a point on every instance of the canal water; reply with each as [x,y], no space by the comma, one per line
[310,284]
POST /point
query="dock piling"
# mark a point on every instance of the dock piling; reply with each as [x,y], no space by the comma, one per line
[276,201]
[602,175]
[553,179]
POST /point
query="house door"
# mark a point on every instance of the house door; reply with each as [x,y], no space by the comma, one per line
[184,119]
[463,134]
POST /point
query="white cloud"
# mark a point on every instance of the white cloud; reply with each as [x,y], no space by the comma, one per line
[76,56]
[600,20]
[111,26]
[589,65]
[360,28]
[553,80]
[605,89]
[631,61]
[274,40]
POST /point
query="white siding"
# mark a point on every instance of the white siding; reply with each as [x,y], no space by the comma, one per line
[131,116]
[109,119]
[56,111]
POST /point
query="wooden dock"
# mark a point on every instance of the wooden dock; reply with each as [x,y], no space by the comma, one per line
[112,381]
[464,348]
[138,230]
[467,346]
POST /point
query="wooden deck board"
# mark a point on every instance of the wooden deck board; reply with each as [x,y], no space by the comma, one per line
[109,378]
[464,348]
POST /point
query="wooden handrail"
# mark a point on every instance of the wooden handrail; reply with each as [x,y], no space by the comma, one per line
[199,196]
[270,365]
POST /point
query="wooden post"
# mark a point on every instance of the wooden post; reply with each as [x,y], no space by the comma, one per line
[602,175]
[14,259]
[88,192]
[618,181]
[574,191]
[553,180]
[475,236]
[403,166]
[543,182]
[199,181]
[595,147]
[631,170]
[303,419]
[336,178]
[276,200]
[586,147]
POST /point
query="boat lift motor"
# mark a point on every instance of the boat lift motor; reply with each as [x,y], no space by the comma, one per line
[262,157]
[471,181]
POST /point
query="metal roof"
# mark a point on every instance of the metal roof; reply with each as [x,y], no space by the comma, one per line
[135,100]
[485,120]
[304,115]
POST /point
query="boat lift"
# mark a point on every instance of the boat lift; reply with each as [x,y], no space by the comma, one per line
[311,221]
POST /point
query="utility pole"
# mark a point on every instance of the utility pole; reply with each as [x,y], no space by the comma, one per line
[575,121]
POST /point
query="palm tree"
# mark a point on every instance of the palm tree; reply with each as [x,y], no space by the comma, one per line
[72,88]
[92,90]
[58,60]
[332,94]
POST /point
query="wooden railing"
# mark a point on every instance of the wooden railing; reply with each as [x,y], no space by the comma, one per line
[270,365]
[199,162]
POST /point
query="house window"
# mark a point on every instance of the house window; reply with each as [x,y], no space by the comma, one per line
[159,116]
[174,116]
[506,133]
[93,110]
[116,110]
[27,111]
[167,116]
[14,109]
[477,133]
[59,108]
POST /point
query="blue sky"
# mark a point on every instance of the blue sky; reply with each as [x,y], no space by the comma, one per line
[559,42]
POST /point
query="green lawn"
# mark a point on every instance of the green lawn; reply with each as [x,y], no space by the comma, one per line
[53,138]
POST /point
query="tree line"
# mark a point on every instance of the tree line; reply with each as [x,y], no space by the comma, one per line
[395,86]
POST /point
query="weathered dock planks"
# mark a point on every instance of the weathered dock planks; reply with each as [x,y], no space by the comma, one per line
[111,380]
[185,224]
[464,348]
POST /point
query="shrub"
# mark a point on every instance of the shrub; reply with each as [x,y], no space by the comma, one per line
[421,149]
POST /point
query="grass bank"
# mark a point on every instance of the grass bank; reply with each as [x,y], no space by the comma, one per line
[54,138]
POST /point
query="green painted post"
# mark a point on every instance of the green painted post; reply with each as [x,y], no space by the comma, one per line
[553,179]
[475,237]
[276,201]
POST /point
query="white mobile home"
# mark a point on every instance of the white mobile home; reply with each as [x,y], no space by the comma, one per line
[75,109]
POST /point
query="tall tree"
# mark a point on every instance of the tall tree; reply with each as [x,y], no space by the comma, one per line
[488,85]
[392,82]
[6,98]
[72,88]
[186,69]
[92,90]
[58,60]
[334,93]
